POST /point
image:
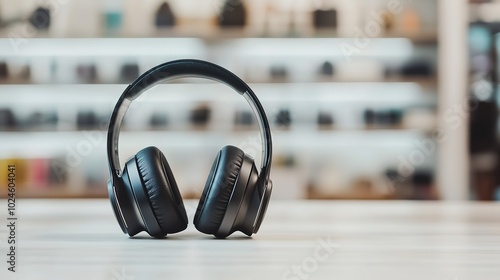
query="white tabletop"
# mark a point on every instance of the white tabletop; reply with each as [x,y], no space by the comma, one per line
[80,239]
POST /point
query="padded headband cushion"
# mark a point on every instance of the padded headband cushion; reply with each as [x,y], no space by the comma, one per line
[218,189]
[162,191]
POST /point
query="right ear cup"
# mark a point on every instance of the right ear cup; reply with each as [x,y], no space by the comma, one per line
[161,190]
[218,189]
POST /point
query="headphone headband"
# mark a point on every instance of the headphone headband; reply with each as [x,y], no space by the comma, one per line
[182,69]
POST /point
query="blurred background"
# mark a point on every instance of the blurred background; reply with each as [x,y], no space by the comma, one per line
[364,97]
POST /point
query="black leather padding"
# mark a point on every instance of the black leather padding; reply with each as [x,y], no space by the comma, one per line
[161,189]
[218,189]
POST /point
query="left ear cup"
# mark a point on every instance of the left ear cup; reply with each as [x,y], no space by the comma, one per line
[218,189]
[161,190]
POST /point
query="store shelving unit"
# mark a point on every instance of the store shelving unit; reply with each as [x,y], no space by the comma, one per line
[348,146]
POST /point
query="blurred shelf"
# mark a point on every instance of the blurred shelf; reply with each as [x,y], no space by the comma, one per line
[59,192]
[417,37]
[217,34]
[409,93]
[212,131]
[425,82]
[42,48]
[350,195]
[50,144]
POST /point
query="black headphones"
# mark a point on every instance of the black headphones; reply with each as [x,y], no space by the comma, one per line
[145,196]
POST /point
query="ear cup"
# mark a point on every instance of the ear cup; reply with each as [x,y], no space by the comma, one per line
[218,188]
[162,192]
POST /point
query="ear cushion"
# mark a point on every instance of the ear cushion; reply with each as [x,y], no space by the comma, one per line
[161,189]
[218,188]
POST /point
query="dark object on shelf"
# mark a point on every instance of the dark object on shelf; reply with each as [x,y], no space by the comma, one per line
[422,181]
[327,69]
[325,119]
[158,120]
[58,172]
[7,119]
[129,72]
[395,116]
[278,72]
[418,68]
[483,126]
[383,117]
[369,117]
[233,14]
[4,73]
[325,19]
[164,16]
[40,19]
[399,185]
[283,118]
[243,118]
[86,120]
[393,176]
[200,115]
[86,73]
[389,117]
[39,119]
[422,178]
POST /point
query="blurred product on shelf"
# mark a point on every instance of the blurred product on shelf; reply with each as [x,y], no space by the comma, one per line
[411,21]
[326,69]
[243,119]
[39,173]
[7,119]
[416,185]
[42,120]
[59,173]
[87,120]
[278,73]
[17,70]
[325,120]
[416,68]
[382,118]
[233,14]
[86,73]
[423,184]
[129,72]
[164,16]
[283,118]
[40,19]
[4,73]
[21,171]
[325,19]
[388,20]
[113,16]
[200,115]
[158,120]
